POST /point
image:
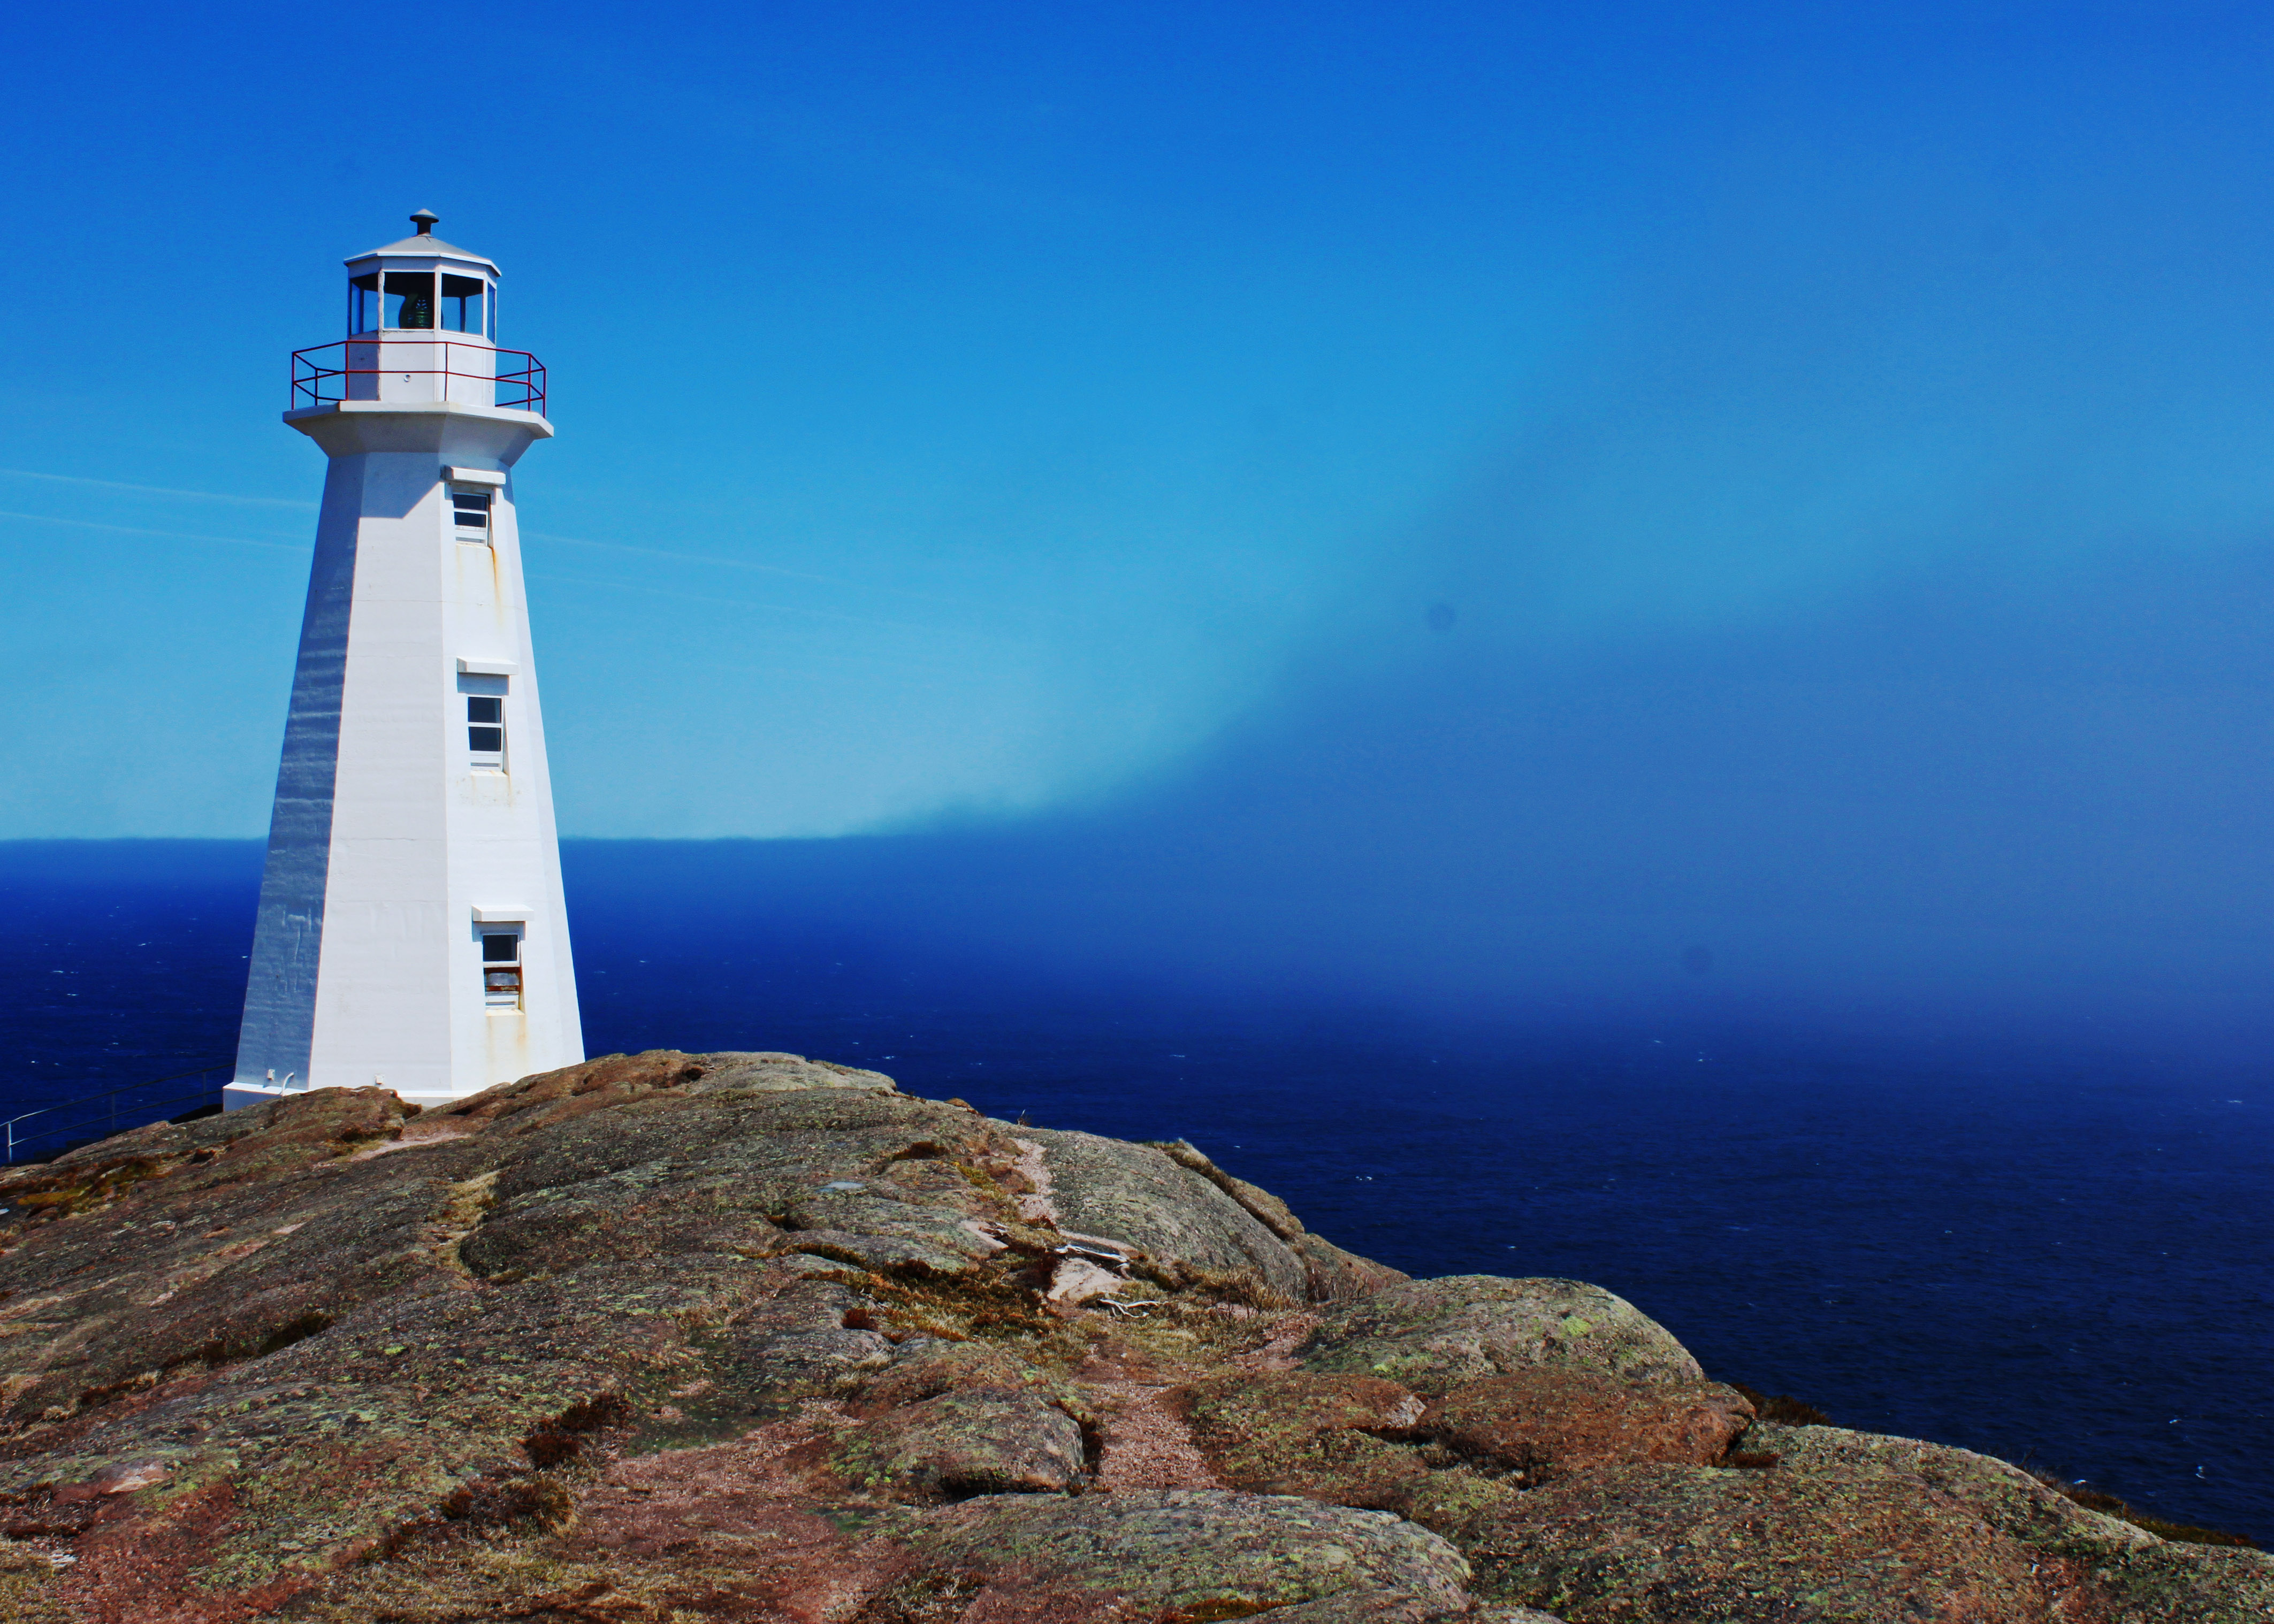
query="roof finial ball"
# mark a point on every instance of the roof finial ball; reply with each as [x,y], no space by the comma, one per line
[426,220]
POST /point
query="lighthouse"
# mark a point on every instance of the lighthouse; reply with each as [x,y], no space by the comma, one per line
[410,932]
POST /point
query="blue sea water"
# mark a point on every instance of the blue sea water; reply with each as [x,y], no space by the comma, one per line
[2056,1254]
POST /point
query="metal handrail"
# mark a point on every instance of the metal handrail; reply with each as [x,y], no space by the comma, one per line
[309,376]
[10,1139]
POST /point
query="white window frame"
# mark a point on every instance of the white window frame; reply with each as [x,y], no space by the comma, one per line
[505,984]
[487,501]
[485,761]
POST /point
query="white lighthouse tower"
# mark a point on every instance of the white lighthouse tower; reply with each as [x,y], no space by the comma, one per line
[411,932]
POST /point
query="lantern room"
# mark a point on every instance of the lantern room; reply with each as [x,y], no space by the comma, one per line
[422,330]
[422,284]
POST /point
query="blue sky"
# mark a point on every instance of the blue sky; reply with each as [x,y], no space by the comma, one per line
[968,412]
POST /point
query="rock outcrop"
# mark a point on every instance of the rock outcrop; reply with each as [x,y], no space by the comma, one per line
[670,1337]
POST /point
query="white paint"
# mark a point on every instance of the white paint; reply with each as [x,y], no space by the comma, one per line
[391,842]
[416,368]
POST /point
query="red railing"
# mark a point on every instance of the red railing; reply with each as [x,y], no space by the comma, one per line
[517,383]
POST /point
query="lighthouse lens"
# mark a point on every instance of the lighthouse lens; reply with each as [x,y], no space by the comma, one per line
[410,298]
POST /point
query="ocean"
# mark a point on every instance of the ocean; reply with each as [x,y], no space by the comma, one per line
[2051,1253]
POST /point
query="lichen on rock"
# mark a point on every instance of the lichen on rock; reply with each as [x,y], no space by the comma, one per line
[1436,1335]
[1551,1422]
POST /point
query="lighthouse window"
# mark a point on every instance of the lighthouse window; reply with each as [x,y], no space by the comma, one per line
[410,298]
[501,969]
[363,304]
[486,726]
[472,511]
[462,303]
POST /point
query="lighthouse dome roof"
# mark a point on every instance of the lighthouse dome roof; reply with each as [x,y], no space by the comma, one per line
[426,244]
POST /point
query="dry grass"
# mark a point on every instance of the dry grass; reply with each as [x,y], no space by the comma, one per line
[1783,1407]
[2092,1500]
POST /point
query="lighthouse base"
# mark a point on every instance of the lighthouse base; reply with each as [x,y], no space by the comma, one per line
[237,1096]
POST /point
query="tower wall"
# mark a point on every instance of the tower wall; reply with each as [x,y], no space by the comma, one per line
[389,844]
[280,994]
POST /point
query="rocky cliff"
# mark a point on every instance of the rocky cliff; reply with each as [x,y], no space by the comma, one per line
[674,1337]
